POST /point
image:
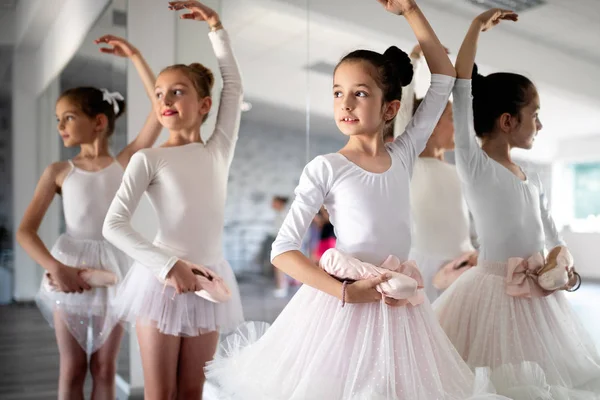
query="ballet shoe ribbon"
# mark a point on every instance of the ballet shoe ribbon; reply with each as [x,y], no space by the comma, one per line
[521,277]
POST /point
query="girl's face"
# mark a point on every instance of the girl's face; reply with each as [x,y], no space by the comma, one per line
[358,101]
[177,104]
[74,127]
[528,124]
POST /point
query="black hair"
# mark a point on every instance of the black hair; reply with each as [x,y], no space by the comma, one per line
[496,94]
[91,102]
[394,70]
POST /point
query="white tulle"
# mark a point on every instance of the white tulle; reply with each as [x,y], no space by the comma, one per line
[318,350]
[93,309]
[535,348]
[144,299]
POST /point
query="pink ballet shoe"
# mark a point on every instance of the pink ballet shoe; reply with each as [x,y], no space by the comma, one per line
[451,271]
[213,288]
[404,283]
[96,278]
[555,273]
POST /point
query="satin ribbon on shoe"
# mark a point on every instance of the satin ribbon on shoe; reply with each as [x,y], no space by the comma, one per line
[404,284]
[522,277]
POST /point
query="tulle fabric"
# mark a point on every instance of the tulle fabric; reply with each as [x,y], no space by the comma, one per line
[535,348]
[143,299]
[318,350]
[90,315]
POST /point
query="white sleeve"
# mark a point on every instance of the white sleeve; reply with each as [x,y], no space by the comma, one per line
[469,156]
[310,195]
[407,103]
[227,126]
[117,227]
[412,142]
[552,237]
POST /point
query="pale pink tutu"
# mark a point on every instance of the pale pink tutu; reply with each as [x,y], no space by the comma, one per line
[536,348]
[93,309]
[318,350]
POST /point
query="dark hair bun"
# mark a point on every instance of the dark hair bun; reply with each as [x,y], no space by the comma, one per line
[400,64]
[477,81]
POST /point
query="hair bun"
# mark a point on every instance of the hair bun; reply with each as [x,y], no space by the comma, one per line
[400,64]
[477,81]
[205,72]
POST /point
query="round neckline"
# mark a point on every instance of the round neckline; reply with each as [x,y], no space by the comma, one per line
[85,171]
[366,171]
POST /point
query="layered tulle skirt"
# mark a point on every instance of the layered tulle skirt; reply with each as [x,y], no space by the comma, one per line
[318,350]
[89,316]
[535,348]
[143,299]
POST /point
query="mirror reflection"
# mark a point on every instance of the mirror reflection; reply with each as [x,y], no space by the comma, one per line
[299,200]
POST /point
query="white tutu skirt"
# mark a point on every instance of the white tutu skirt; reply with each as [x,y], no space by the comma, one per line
[317,350]
[93,309]
[429,266]
[143,299]
[535,348]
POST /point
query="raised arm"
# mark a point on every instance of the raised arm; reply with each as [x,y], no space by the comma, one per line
[468,153]
[227,126]
[151,129]
[65,278]
[435,54]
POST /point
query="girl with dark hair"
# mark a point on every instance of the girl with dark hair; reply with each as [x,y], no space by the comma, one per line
[78,289]
[340,340]
[503,314]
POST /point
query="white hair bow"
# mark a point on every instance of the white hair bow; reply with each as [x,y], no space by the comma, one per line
[111,98]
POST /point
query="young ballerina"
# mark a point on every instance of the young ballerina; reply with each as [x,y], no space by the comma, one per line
[440,218]
[495,314]
[337,340]
[87,184]
[186,181]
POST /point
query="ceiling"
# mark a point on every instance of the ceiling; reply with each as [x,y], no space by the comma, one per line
[556,44]
[287,49]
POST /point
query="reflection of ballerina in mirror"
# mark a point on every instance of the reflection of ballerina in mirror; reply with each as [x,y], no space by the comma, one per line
[442,243]
[78,290]
[508,314]
[178,324]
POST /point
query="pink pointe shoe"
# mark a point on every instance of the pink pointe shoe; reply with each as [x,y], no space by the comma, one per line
[404,283]
[451,271]
[213,288]
[554,275]
[96,278]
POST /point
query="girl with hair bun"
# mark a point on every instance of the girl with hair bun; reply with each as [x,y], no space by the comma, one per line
[79,288]
[340,337]
[181,292]
[510,313]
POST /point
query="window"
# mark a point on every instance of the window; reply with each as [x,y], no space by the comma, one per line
[586,190]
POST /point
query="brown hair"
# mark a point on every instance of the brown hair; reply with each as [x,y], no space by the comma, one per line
[201,77]
[90,101]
